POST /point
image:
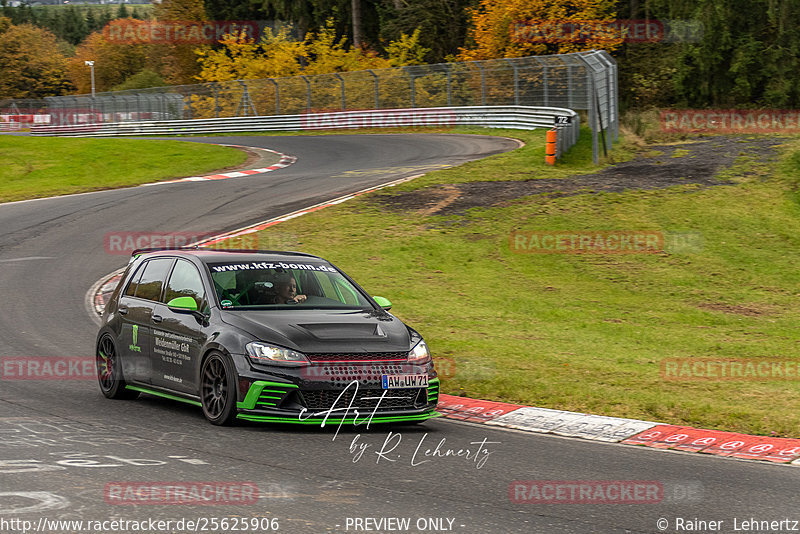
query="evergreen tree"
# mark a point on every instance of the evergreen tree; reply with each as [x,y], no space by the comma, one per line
[91,21]
[442,23]
[105,17]
[75,29]
[122,12]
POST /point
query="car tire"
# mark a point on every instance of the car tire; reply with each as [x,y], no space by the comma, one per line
[109,370]
[218,389]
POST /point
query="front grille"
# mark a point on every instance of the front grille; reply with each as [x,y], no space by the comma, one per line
[323,399]
[357,356]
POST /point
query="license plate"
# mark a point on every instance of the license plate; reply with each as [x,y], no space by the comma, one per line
[404,381]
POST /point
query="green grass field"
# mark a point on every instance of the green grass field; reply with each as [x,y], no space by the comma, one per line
[589,332]
[39,167]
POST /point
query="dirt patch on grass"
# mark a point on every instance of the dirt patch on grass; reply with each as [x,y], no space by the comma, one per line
[731,308]
[697,162]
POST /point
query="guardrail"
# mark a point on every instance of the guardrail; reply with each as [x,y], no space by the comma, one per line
[516,117]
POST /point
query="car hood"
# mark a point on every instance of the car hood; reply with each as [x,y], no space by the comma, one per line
[324,330]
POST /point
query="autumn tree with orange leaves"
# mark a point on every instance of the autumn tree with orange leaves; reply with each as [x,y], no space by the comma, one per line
[518,28]
[31,62]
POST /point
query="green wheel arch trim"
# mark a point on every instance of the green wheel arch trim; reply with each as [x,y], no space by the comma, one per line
[256,389]
[332,420]
[165,395]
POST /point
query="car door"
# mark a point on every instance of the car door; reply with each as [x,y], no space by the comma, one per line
[179,337]
[136,310]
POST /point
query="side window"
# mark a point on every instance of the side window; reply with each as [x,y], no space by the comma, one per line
[326,285]
[335,289]
[134,282]
[152,280]
[185,281]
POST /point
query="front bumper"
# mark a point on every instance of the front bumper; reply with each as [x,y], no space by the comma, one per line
[287,402]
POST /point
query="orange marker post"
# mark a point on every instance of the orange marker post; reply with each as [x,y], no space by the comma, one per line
[550,147]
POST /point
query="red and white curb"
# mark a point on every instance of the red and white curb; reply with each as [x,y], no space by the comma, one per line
[285,161]
[619,430]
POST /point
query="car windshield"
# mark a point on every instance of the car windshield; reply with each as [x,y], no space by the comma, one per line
[282,285]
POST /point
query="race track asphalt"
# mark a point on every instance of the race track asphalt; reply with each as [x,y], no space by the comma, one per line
[62,443]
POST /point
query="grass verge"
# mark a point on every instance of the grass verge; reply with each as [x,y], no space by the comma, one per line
[37,167]
[590,332]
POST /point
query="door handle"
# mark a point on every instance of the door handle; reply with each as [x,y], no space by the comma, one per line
[123,310]
[157,318]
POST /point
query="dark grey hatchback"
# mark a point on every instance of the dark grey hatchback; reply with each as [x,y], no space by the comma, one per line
[261,336]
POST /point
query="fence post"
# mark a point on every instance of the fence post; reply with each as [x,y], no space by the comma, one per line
[449,87]
[341,80]
[308,93]
[215,87]
[375,86]
[277,96]
[483,82]
[590,104]
[413,88]
[569,87]
[516,81]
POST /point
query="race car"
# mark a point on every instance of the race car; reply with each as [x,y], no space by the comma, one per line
[261,336]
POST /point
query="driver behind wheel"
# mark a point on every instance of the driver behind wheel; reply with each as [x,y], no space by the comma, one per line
[286,290]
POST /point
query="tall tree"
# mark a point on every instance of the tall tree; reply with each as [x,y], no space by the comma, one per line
[115,60]
[442,24]
[748,55]
[31,64]
[355,9]
[308,15]
[178,60]
[75,29]
[509,28]
[91,21]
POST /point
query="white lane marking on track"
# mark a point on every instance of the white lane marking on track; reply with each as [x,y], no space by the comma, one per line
[47,501]
[29,258]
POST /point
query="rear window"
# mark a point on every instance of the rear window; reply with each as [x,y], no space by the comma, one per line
[282,285]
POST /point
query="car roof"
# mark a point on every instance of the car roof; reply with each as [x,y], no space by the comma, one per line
[228,255]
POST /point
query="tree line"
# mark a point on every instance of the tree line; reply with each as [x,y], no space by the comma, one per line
[69,23]
[739,53]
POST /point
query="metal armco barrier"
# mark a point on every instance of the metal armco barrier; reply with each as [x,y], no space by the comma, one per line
[516,117]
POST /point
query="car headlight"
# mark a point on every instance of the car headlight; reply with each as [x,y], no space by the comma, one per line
[419,354]
[269,354]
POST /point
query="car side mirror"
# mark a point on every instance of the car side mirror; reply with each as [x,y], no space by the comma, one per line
[383,302]
[182,304]
[188,305]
